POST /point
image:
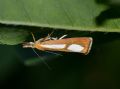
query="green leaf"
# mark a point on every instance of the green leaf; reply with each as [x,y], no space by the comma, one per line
[12,36]
[65,14]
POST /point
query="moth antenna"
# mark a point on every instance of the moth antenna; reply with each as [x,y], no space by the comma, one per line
[33,37]
[42,59]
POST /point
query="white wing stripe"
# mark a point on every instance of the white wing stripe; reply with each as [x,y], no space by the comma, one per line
[54,46]
[75,48]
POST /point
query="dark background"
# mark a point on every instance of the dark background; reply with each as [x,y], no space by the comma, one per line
[100,69]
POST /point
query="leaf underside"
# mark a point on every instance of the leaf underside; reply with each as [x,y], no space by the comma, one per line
[83,15]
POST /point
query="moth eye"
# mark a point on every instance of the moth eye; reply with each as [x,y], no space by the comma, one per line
[75,48]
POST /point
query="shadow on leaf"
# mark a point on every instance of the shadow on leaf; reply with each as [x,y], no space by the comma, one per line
[112,12]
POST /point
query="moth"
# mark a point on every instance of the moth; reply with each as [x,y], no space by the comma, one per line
[77,44]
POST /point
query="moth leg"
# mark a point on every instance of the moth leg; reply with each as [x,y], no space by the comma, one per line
[62,37]
[51,38]
[45,38]
[48,37]
[54,38]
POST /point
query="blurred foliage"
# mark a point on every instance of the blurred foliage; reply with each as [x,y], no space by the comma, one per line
[12,36]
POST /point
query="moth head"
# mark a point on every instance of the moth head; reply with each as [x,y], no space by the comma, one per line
[28,45]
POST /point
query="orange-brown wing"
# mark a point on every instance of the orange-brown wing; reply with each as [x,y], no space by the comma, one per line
[80,44]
